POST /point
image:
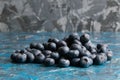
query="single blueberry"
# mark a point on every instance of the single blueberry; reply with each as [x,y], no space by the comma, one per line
[73,54]
[33,45]
[49,62]
[52,46]
[39,58]
[63,50]
[61,43]
[54,40]
[30,57]
[40,46]
[64,62]
[74,36]
[76,47]
[13,57]
[21,58]
[85,62]
[55,55]
[47,53]
[100,59]
[84,38]
[75,61]
[35,52]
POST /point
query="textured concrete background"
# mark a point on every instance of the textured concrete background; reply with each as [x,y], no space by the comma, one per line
[59,15]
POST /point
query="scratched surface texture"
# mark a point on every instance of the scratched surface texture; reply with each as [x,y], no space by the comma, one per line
[13,41]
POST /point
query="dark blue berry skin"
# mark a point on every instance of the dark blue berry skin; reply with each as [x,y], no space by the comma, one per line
[30,57]
[93,51]
[28,49]
[73,54]
[52,46]
[64,62]
[55,55]
[76,47]
[74,36]
[85,62]
[45,46]
[93,56]
[33,45]
[109,55]
[17,51]
[47,53]
[100,59]
[21,58]
[35,52]
[61,43]
[76,42]
[13,57]
[63,50]
[54,40]
[75,61]
[23,51]
[84,38]
[49,62]
[89,45]
[39,58]
[85,53]
[40,46]
[99,46]
[102,48]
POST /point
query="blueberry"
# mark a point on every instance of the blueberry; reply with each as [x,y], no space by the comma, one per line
[61,43]
[28,49]
[52,46]
[55,55]
[85,53]
[84,38]
[76,42]
[73,54]
[63,50]
[47,53]
[21,58]
[49,62]
[40,46]
[102,48]
[93,56]
[35,52]
[30,57]
[45,46]
[100,59]
[74,36]
[85,62]
[39,58]
[89,45]
[64,62]
[13,57]
[33,45]
[93,50]
[99,46]
[23,51]
[17,51]
[109,54]
[75,61]
[54,40]
[76,47]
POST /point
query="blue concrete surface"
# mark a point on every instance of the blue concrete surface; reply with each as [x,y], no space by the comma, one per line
[12,41]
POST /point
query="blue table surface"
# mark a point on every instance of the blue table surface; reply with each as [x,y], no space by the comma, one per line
[14,41]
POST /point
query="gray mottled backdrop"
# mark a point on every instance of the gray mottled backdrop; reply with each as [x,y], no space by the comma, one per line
[59,15]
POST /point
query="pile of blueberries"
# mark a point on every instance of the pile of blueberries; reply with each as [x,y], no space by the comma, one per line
[73,50]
